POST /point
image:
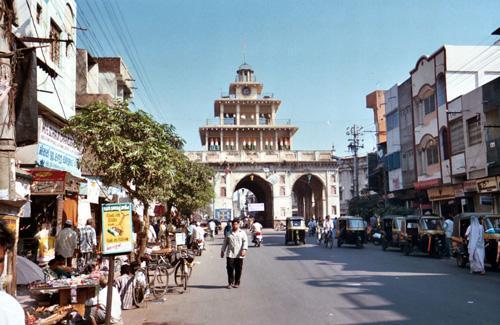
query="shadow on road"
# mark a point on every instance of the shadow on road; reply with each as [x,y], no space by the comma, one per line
[376,286]
[208,286]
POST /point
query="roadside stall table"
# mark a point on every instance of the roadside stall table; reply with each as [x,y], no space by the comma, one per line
[83,293]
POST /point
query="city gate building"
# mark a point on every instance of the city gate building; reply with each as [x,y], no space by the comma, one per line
[250,149]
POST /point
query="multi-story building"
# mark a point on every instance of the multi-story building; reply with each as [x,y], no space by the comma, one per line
[249,148]
[436,81]
[474,120]
[55,76]
[393,155]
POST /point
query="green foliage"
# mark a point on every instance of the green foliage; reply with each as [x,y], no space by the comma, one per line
[128,148]
[193,189]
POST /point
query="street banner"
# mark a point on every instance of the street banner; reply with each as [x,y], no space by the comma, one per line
[117,228]
[254,207]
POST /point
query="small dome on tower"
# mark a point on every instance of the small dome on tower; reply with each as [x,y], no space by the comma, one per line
[245,66]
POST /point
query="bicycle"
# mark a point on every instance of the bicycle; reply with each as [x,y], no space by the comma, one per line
[183,269]
[151,279]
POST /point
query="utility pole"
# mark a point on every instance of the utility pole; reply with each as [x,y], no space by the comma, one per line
[355,143]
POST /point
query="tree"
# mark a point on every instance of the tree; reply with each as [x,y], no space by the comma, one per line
[130,149]
[193,189]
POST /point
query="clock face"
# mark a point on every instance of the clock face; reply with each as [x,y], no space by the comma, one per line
[246,91]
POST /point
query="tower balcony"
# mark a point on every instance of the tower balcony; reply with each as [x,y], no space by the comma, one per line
[228,121]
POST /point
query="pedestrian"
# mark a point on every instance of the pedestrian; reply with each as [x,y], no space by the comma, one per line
[235,248]
[151,234]
[88,242]
[474,234]
[448,231]
[328,227]
[46,245]
[190,231]
[227,229]
[211,226]
[124,284]
[66,242]
[11,312]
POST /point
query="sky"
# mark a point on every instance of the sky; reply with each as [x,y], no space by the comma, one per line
[321,58]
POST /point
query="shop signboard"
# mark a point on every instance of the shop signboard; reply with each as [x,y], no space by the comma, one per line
[441,193]
[487,185]
[57,150]
[470,186]
[116,228]
[254,207]
[47,182]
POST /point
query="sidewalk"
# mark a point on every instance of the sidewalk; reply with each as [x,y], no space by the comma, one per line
[169,311]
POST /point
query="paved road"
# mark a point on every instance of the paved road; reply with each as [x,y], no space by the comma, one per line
[314,285]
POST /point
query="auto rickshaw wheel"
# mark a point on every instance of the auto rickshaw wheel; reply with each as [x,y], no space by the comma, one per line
[339,242]
[461,261]
[494,265]
[407,250]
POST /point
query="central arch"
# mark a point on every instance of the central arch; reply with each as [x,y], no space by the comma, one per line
[263,192]
[308,196]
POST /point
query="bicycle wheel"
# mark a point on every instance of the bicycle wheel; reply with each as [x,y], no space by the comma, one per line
[160,282]
[139,286]
[178,274]
[185,276]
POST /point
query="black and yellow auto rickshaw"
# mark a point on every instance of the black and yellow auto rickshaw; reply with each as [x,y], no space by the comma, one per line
[351,230]
[393,230]
[295,230]
[424,234]
[491,225]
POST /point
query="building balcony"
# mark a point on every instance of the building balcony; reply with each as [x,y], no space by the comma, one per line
[233,96]
[246,122]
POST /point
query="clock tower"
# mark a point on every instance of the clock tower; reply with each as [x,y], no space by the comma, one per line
[245,119]
[250,149]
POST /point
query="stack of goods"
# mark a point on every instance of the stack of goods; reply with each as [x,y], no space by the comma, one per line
[47,315]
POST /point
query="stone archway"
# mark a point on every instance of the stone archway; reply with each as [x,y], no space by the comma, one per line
[308,194]
[263,192]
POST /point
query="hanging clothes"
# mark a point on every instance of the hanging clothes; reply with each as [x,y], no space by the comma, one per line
[70,210]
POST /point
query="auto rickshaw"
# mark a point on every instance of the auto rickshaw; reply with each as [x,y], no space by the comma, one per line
[351,230]
[393,230]
[295,230]
[424,234]
[491,225]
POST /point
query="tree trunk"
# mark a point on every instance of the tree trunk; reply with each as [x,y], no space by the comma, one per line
[142,237]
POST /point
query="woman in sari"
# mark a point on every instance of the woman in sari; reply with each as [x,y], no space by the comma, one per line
[474,234]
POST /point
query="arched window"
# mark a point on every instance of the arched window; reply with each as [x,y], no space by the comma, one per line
[443,143]
[440,90]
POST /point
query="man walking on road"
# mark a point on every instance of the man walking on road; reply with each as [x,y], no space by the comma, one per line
[448,230]
[235,246]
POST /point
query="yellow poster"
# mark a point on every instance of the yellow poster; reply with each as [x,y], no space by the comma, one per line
[117,228]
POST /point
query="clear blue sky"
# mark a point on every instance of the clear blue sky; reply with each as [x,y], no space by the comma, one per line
[320,58]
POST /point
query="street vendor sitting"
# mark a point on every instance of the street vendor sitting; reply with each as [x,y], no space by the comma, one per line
[97,313]
[54,271]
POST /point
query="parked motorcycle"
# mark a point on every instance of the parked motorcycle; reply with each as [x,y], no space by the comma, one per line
[257,239]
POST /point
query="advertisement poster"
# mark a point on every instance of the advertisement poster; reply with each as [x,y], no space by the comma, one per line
[117,228]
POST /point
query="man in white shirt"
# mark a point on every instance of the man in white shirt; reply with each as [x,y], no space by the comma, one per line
[328,226]
[11,312]
[235,247]
[199,236]
[98,311]
[66,242]
[211,226]
[256,227]
[448,231]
